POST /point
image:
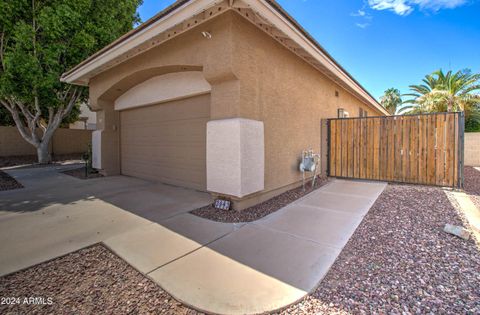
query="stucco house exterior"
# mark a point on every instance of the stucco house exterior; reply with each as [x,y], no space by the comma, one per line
[216,95]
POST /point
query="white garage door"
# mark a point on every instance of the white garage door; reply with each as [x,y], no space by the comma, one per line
[167,142]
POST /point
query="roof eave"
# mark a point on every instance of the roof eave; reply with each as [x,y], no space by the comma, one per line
[184,9]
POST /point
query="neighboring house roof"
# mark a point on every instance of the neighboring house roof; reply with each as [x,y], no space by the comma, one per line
[186,14]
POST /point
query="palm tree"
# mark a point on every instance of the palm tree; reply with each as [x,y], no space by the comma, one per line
[391,100]
[446,92]
[442,92]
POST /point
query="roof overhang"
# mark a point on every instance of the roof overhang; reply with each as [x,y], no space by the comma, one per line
[186,14]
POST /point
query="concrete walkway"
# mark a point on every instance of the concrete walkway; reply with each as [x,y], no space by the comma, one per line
[273,262]
[215,267]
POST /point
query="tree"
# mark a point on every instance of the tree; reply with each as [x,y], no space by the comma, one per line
[391,100]
[447,92]
[41,39]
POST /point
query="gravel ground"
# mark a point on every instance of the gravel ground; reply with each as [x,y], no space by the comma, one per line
[7,182]
[399,260]
[258,211]
[472,184]
[31,160]
[90,281]
[80,173]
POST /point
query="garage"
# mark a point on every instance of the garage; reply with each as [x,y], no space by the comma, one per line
[166,142]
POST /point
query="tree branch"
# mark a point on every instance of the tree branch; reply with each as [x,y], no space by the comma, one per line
[2,40]
[5,104]
[12,108]
[30,118]
[50,115]
[38,112]
[73,100]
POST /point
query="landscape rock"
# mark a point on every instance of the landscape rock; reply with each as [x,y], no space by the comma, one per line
[457,231]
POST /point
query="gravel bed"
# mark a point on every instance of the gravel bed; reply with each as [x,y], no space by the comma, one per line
[400,261]
[31,160]
[7,182]
[80,173]
[90,281]
[472,184]
[260,210]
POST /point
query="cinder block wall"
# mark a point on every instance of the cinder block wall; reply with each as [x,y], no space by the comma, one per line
[472,148]
[65,141]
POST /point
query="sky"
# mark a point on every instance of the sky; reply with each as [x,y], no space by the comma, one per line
[386,43]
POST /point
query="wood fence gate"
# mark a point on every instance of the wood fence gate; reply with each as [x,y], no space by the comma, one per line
[420,149]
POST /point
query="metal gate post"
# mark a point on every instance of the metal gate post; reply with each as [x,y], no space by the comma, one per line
[461,144]
[328,147]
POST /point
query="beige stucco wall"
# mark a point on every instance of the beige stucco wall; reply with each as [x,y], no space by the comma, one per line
[472,149]
[65,141]
[235,156]
[252,76]
[289,96]
[187,52]
[164,88]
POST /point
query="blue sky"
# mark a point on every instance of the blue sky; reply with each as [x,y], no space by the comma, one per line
[386,43]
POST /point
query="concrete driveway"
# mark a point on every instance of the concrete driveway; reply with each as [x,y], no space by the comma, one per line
[56,214]
[215,267]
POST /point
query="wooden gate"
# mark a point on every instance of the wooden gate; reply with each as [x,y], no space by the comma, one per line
[419,149]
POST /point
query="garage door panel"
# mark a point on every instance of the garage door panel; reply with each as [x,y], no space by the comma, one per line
[167,142]
[194,161]
[174,133]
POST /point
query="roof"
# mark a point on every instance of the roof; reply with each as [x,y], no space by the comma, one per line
[172,17]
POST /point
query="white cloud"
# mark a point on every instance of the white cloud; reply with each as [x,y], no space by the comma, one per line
[400,7]
[358,13]
[405,7]
[362,25]
[436,5]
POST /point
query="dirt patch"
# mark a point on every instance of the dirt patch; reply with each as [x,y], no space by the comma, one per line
[258,211]
[89,281]
[80,173]
[7,182]
[31,160]
[400,261]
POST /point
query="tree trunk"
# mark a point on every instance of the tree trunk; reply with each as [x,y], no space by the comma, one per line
[43,154]
[450,105]
[28,123]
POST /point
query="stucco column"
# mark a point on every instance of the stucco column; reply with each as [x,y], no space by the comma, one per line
[235,145]
[235,156]
[106,141]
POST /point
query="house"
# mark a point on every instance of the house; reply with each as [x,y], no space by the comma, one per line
[218,96]
[86,120]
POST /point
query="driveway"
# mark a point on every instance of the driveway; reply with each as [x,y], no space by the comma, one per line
[56,214]
[216,267]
